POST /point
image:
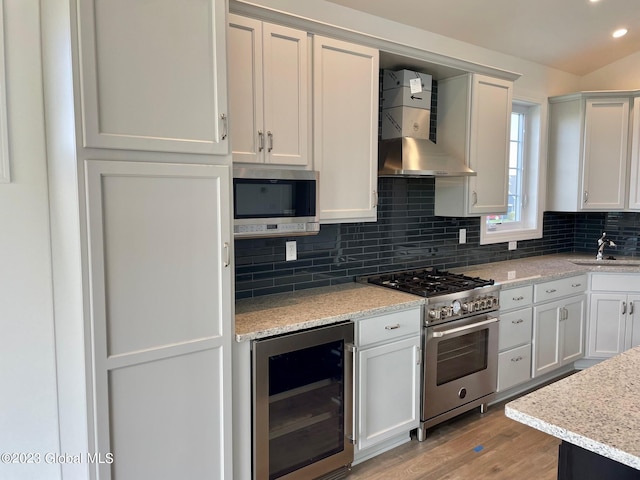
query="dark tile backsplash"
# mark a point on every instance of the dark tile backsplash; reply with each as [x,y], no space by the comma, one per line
[406,235]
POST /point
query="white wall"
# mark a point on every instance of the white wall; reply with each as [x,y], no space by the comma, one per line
[28,408]
[621,75]
[536,80]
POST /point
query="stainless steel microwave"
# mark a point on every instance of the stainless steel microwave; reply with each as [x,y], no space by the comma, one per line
[274,203]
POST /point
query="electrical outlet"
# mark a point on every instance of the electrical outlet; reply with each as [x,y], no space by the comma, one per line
[291,251]
[513,245]
[463,235]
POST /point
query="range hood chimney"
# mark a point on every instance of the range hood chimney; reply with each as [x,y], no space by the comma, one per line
[418,157]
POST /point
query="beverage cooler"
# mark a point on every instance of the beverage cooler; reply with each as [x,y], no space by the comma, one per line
[303,404]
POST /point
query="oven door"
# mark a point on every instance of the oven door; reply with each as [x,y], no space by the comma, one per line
[461,363]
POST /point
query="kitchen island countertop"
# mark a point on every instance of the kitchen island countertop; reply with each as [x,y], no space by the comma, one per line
[270,315]
[596,409]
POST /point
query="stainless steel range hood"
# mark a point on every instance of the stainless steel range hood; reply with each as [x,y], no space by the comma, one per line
[417,157]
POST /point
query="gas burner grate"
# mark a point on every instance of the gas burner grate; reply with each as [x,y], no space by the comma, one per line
[427,282]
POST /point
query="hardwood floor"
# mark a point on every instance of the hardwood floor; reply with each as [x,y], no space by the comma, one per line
[471,446]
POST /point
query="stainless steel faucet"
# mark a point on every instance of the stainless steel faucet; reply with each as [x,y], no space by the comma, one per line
[603,241]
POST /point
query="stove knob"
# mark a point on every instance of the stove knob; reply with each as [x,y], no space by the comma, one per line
[433,314]
[483,304]
[465,307]
[476,305]
[444,313]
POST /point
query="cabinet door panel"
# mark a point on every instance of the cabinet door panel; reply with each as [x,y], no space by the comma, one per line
[152,76]
[633,322]
[489,144]
[160,320]
[285,94]
[605,153]
[634,174]
[572,330]
[345,129]
[388,391]
[606,324]
[546,339]
[245,88]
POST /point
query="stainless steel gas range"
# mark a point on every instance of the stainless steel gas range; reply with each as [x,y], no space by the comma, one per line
[460,340]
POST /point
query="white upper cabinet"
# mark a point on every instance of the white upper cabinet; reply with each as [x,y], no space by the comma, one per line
[268,92]
[345,129]
[474,114]
[588,152]
[153,75]
[634,175]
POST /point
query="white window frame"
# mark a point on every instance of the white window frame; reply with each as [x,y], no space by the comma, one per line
[534,185]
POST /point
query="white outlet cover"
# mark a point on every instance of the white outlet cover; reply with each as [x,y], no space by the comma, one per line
[291,251]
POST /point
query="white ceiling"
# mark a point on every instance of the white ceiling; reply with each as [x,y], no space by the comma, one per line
[570,35]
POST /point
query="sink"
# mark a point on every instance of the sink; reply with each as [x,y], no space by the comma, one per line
[617,263]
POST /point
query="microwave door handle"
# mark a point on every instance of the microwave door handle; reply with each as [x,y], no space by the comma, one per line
[473,326]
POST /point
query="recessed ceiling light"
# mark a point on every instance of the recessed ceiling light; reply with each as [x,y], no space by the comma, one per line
[594,1]
[621,32]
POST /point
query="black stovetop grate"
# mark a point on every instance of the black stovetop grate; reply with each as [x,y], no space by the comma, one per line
[428,282]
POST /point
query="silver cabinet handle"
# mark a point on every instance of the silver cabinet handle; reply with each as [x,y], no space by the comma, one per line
[227,261]
[576,285]
[270,136]
[624,308]
[225,126]
[392,327]
[630,308]
[586,196]
[375,198]
[551,290]
[516,322]
[260,140]
[516,359]
[475,197]
[517,299]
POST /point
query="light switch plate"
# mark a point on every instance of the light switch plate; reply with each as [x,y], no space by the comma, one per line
[513,245]
[291,251]
[463,235]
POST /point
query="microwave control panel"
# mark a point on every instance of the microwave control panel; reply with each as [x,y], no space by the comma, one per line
[274,229]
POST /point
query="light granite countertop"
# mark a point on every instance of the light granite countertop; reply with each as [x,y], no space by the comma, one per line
[597,409]
[513,273]
[283,313]
[270,315]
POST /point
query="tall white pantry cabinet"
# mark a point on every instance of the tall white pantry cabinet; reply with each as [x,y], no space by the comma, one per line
[140,188]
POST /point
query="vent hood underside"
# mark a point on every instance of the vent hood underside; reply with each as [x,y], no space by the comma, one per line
[418,157]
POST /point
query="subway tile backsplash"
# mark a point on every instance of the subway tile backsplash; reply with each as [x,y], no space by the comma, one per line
[407,235]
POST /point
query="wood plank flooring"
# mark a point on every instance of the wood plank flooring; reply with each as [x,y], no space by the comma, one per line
[472,446]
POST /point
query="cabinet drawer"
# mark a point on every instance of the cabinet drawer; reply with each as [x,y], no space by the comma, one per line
[514,367]
[515,328]
[387,327]
[616,282]
[516,297]
[559,288]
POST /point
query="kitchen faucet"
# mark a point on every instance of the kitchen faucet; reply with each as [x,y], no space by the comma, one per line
[602,242]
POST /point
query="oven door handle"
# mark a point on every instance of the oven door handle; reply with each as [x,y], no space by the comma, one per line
[466,327]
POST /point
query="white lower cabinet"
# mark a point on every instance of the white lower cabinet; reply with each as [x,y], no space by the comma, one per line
[387,381]
[514,359]
[558,334]
[160,326]
[614,314]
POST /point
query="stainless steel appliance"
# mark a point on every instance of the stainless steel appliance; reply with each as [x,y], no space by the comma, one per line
[274,203]
[303,404]
[460,340]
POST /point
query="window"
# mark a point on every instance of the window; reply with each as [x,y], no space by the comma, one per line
[523,220]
